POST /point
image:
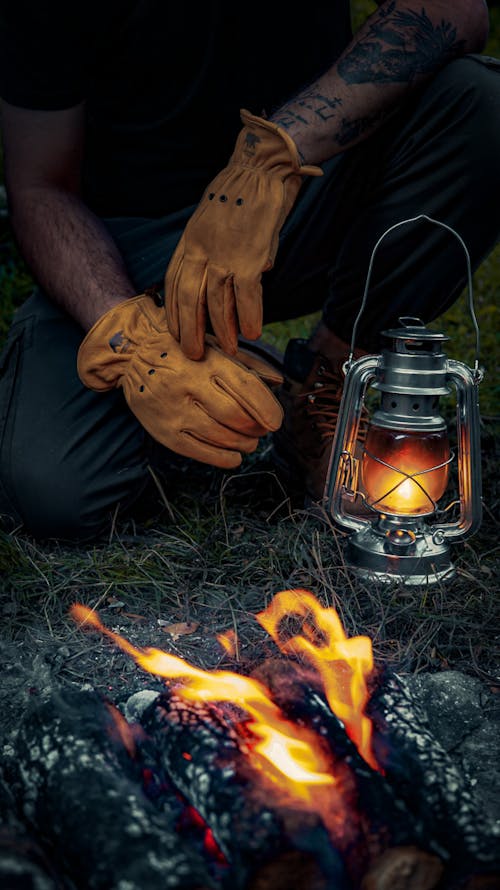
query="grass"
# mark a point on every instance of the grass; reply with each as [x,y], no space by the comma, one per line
[229,547]
[225,543]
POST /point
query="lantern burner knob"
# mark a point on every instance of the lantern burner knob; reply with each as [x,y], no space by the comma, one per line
[400,540]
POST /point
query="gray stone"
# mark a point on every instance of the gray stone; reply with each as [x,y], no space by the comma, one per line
[464,716]
[137,703]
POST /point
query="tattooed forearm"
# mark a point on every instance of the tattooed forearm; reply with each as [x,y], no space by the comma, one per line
[309,105]
[400,45]
[351,130]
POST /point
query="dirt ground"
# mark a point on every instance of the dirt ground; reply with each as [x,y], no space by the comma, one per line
[205,564]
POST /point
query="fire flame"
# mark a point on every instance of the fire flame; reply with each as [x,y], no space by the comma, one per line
[283,750]
[343,664]
[229,641]
[405,472]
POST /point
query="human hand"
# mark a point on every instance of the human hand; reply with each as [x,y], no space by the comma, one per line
[213,410]
[232,238]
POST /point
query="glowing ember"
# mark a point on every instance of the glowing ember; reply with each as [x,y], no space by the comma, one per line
[284,751]
[121,730]
[343,664]
[194,818]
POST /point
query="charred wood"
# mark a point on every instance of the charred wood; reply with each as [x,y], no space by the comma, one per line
[382,817]
[70,771]
[434,787]
[268,840]
[404,868]
[23,864]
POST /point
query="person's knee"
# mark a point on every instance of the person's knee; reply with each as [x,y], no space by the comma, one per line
[473,89]
[66,502]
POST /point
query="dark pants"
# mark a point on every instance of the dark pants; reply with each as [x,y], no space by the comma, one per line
[69,456]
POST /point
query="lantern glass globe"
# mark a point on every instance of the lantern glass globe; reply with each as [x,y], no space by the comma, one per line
[405,472]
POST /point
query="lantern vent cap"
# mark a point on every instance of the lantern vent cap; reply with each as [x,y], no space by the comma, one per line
[413,332]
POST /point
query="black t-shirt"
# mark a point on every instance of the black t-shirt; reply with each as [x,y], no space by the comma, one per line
[163,83]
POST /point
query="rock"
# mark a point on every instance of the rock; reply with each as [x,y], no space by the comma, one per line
[137,703]
[465,718]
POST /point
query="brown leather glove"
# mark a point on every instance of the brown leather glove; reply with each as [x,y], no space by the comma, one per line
[211,410]
[232,238]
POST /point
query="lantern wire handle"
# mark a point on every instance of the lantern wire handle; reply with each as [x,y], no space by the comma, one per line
[470,299]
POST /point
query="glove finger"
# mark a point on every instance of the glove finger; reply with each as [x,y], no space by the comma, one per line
[266,372]
[243,387]
[244,390]
[248,295]
[248,358]
[208,441]
[205,429]
[191,302]
[222,309]
[171,294]
[256,399]
[208,454]
[226,409]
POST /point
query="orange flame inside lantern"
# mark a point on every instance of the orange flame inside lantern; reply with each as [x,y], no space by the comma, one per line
[405,472]
[284,751]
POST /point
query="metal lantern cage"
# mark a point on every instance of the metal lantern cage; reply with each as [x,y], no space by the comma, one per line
[386,488]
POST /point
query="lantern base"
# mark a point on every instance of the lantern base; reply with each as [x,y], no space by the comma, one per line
[374,556]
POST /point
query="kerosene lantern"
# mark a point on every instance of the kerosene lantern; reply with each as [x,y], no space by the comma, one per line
[399,470]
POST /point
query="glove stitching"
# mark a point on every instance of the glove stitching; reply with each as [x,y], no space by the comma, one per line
[238,397]
[219,425]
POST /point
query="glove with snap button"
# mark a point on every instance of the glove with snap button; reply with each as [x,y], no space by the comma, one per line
[213,410]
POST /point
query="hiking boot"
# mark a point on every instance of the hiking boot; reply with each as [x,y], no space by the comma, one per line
[310,396]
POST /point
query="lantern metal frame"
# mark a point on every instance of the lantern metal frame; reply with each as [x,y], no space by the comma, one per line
[407,548]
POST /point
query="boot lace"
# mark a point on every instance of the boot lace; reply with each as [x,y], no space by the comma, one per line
[323,403]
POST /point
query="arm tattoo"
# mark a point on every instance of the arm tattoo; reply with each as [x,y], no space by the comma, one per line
[311,103]
[353,130]
[400,46]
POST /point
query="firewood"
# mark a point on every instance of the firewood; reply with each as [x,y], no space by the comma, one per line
[260,831]
[291,871]
[23,864]
[421,799]
[75,787]
[429,780]
[382,816]
[404,868]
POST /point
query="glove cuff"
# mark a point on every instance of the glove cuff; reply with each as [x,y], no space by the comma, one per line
[263,143]
[114,338]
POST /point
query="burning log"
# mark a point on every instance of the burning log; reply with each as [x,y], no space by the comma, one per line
[76,787]
[383,819]
[292,784]
[418,772]
[267,837]
[22,863]
[421,802]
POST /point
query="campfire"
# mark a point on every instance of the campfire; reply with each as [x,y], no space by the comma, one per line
[315,772]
